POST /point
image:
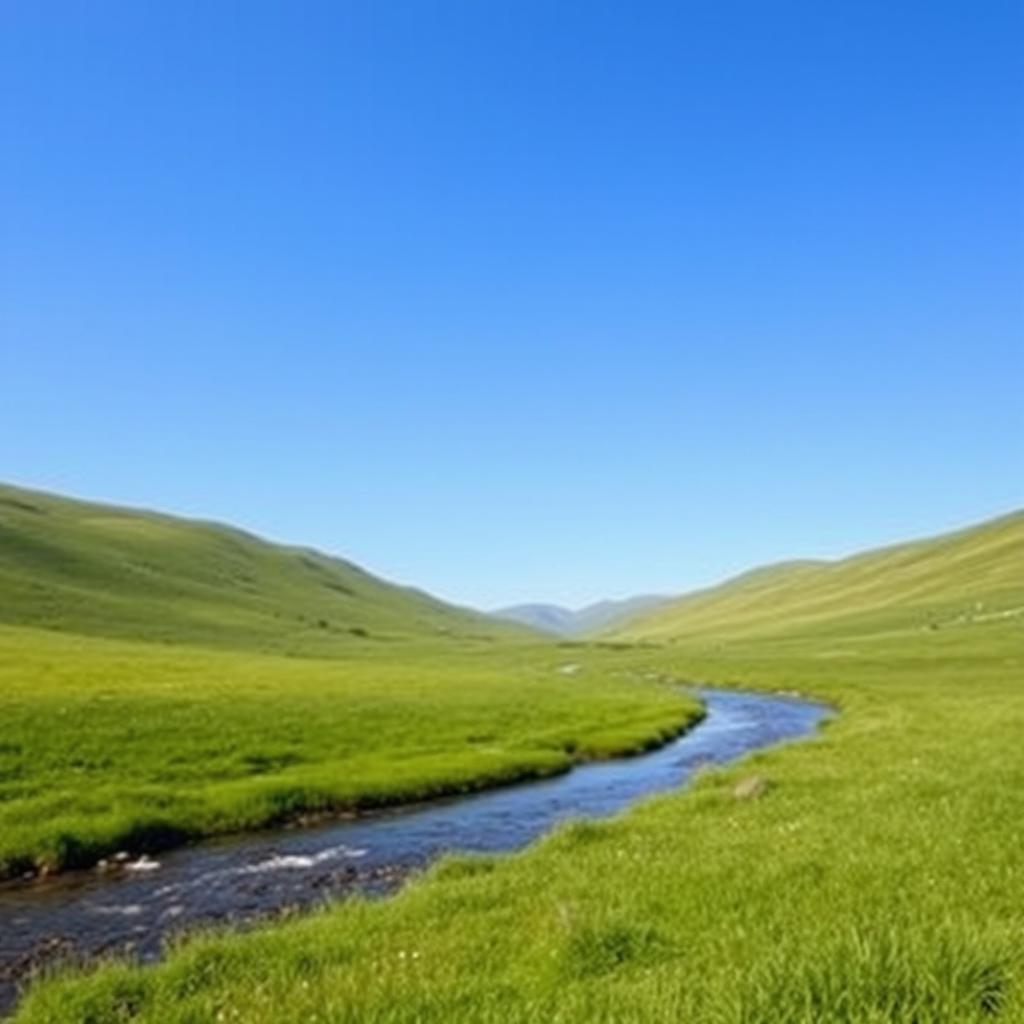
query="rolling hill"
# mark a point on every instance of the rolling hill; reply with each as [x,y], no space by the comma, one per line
[972,575]
[93,569]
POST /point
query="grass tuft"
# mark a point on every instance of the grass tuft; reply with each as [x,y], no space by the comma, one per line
[599,949]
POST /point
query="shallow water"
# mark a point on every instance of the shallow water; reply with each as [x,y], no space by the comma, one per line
[82,915]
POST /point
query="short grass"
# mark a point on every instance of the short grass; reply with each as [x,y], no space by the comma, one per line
[107,744]
[879,880]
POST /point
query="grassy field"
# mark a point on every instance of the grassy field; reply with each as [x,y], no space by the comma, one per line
[110,745]
[879,878]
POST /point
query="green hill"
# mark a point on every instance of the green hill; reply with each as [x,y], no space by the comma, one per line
[99,570]
[952,581]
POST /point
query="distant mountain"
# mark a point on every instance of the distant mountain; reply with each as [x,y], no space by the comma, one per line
[553,618]
[975,575]
[81,567]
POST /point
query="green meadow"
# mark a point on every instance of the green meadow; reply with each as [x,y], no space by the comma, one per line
[111,744]
[875,877]
[878,879]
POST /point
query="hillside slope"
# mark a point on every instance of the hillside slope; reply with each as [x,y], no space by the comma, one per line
[81,567]
[973,575]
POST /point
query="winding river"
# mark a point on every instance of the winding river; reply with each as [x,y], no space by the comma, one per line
[82,915]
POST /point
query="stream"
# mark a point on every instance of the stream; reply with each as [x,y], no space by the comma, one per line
[133,908]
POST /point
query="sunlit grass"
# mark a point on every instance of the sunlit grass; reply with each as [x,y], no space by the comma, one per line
[878,880]
[107,745]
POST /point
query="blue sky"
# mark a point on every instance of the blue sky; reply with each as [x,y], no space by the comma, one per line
[519,300]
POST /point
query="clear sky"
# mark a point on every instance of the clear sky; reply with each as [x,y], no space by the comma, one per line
[519,299]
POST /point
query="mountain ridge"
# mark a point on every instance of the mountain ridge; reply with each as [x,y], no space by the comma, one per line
[562,621]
